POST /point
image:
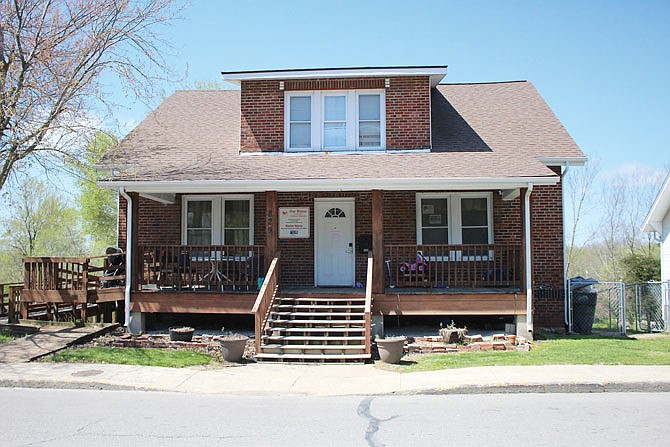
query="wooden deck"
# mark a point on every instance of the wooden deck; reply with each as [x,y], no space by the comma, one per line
[449,303]
[193,302]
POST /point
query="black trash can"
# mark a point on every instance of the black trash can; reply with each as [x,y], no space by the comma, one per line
[583,310]
[584,299]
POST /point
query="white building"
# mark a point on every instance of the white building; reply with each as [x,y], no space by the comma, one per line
[658,221]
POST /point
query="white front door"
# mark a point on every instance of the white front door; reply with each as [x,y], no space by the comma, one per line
[334,240]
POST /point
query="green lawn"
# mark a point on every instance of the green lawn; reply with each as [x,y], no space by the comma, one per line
[573,350]
[133,356]
[6,337]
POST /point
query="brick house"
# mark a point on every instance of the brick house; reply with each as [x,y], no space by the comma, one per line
[335,185]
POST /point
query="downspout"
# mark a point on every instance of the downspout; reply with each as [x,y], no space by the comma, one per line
[129,254]
[565,251]
[529,288]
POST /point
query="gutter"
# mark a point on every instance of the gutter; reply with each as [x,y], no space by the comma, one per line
[395,184]
[529,269]
[129,254]
[565,251]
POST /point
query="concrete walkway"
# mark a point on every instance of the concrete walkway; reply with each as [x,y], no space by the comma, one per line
[330,380]
[49,339]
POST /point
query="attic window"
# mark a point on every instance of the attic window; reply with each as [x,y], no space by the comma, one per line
[334,120]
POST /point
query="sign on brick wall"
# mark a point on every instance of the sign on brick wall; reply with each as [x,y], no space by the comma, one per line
[293,223]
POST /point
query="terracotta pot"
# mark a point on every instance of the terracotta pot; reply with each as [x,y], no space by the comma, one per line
[390,349]
[232,347]
[181,333]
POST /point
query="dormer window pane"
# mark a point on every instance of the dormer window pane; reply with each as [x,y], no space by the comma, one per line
[369,121]
[368,107]
[301,135]
[335,108]
[301,122]
[301,108]
[334,121]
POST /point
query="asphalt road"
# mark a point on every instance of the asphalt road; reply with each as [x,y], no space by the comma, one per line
[45,417]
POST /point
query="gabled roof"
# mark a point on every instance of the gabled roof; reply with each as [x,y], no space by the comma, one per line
[658,211]
[481,133]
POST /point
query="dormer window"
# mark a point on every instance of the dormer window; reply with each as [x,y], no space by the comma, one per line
[334,120]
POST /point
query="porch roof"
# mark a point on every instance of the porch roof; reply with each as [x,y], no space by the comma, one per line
[491,135]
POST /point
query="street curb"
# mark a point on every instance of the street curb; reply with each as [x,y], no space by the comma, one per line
[549,388]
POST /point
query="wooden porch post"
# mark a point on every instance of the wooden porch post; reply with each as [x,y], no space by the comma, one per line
[270,227]
[522,255]
[378,240]
[136,261]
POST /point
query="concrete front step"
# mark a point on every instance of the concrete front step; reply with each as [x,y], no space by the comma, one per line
[319,307]
[320,300]
[323,315]
[308,338]
[315,329]
[313,357]
[324,323]
[314,347]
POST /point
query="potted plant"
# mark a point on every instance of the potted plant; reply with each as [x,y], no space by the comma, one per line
[452,334]
[390,349]
[181,333]
[232,346]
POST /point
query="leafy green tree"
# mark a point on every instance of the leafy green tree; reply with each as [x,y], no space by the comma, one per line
[642,267]
[39,223]
[97,206]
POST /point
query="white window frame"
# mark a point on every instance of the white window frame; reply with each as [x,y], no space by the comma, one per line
[317,119]
[218,212]
[455,225]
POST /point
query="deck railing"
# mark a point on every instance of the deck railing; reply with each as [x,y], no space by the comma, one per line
[264,300]
[71,273]
[5,293]
[199,267]
[443,266]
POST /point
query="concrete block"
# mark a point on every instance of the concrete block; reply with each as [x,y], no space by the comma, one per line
[137,322]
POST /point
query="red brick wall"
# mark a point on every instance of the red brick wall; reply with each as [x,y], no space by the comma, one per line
[262,117]
[547,254]
[407,110]
[408,113]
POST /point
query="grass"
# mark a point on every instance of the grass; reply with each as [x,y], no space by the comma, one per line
[6,337]
[573,350]
[133,356]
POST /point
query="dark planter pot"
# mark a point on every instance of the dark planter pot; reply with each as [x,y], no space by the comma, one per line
[232,347]
[181,333]
[390,349]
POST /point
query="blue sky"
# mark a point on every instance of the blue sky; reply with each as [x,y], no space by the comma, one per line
[603,66]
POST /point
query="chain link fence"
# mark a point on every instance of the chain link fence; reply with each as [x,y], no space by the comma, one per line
[618,307]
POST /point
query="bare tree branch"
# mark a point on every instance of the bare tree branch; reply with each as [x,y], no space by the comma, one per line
[53,54]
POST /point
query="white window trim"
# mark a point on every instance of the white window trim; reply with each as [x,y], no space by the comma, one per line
[317,105]
[454,214]
[218,209]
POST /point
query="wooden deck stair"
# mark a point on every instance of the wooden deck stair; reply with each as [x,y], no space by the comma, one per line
[317,328]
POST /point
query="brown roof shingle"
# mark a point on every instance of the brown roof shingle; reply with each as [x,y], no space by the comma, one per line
[479,131]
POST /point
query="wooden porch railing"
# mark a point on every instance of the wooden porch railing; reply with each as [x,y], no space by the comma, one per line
[5,293]
[465,265]
[71,273]
[368,304]
[265,300]
[199,267]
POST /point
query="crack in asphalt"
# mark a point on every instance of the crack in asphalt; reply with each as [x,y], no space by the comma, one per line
[363,411]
